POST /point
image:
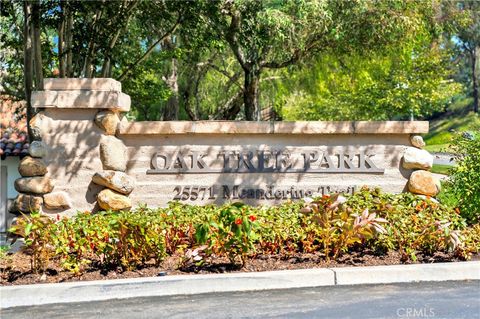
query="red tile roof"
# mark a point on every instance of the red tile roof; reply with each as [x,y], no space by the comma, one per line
[13,128]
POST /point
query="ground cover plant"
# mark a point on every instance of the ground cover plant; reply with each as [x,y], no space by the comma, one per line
[464,182]
[329,226]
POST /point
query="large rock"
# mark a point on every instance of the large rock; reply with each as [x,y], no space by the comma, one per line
[113,154]
[27,203]
[417,141]
[36,125]
[108,121]
[37,149]
[34,185]
[118,181]
[57,200]
[414,158]
[110,200]
[423,183]
[30,166]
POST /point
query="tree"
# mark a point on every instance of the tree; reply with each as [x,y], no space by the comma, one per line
[469,40]
[275,34]
[211,59]
[462,22]
[412,80]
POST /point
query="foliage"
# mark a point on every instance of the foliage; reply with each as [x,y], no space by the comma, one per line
[38,231]
[337,227]
[465,177]
[410,81]
[466,24]
[231,232]
[471,241]
[213,59]
[415,225]
[331,225]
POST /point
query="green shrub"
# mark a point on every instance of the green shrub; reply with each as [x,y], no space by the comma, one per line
[121,239]
[465,177]
[229,231]
[415,225]
[283,229]
[333,225]
[337,227]
[38,232]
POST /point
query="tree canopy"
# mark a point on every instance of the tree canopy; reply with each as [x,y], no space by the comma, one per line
[230,59]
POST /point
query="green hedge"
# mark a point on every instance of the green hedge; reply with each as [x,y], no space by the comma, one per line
[333,225]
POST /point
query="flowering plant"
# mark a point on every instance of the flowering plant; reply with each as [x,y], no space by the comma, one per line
[231,232]
[337,228]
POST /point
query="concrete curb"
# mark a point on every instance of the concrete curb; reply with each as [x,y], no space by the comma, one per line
[469,270]
[41,294]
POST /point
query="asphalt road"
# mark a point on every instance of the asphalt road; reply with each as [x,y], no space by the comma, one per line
[443,159]
[419,300]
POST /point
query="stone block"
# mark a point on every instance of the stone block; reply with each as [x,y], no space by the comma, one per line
[95,84]
[111,200]
[113,154]
[30,167]
[118,181]
[391,127]
[82,99]
[423,183]
[57,201]
[313,127]
[107,121]
[34,185]
[415,158]
[37,149]
[27,203]
[417,141]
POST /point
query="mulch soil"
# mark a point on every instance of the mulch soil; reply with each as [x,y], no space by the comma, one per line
[15,269]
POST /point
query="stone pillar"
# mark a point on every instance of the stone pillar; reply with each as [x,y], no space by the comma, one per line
[421,181]
[77,123]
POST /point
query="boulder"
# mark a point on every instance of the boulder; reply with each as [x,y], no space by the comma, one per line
[118,181]
[30,166]
[27,203]
[423,183]
[37,149]
[414,158]
[108,121]
[417,141]
[36,124]
[113,154]
[111,200]
[57,200]
[34,185]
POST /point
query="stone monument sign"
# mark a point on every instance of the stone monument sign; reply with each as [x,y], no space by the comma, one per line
[97,159]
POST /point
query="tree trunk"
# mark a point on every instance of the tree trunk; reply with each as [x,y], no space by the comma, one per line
[37,45]
[171,109]
[230,110]
[28,61]
[61,53]
[88,67]
[69,40]
[250,93]
[474,56]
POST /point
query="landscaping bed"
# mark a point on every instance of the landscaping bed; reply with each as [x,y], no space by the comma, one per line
[365,229]
[16,270]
